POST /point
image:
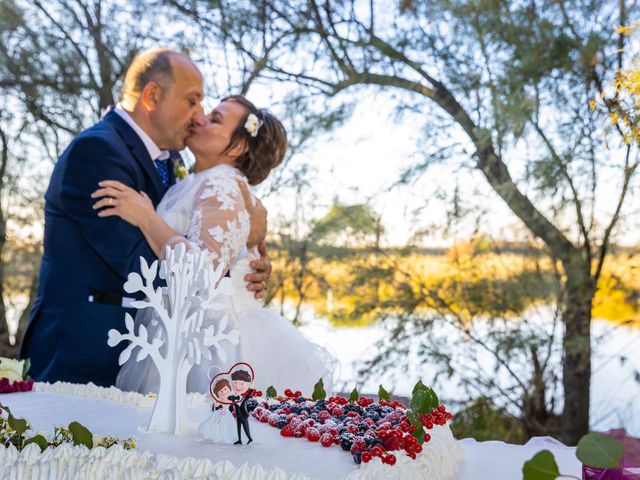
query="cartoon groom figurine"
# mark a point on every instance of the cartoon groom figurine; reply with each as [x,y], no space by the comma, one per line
[241,380]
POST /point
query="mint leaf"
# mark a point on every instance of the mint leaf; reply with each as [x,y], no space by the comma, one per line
[414,420]
[418,386]
[271,392]
[542,466]
[25,368]
[600,451]
[81,435]
[382,393]
[38,440]
[354,395]
[20,425]
[318,391]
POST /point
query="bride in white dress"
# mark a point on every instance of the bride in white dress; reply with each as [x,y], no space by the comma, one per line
[235,146]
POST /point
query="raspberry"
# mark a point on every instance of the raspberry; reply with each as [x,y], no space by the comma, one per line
[312,434]
[392,443]
[326,440]
[287,431]
[358,445]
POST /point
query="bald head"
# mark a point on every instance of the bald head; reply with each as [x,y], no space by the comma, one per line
[152,65]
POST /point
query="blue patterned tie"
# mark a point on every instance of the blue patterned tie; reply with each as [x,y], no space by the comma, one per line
[163,170]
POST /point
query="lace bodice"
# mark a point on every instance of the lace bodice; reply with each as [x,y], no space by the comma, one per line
[207,211]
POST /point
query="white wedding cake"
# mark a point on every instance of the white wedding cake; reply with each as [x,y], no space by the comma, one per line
[109,411]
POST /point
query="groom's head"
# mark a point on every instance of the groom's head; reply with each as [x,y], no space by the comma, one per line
[162,91]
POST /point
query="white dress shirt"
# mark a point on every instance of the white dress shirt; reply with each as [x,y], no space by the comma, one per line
[154,151]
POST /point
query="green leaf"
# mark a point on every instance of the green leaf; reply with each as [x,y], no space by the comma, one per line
[25,368]
[318,391]
[542,466]
[20,425]
[423,398]
[38,440]
[271,392]
[414,420]
[354,395]
[600,451]
[382,393]
[418,386]
[81,435]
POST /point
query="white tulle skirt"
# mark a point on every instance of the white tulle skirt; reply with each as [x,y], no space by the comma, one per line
[219,427]
[278,352]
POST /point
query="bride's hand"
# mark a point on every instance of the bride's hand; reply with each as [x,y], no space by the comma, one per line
[117,199]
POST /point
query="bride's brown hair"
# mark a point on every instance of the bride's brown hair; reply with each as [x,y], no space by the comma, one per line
[266,150]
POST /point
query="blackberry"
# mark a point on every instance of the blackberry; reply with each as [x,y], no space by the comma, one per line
[373,416]
[346,440]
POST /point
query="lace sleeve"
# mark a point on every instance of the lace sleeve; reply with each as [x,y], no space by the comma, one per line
[219,220]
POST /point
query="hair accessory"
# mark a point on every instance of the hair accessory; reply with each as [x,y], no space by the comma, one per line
[253,124]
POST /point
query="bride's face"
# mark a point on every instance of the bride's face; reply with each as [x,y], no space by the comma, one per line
[211,134]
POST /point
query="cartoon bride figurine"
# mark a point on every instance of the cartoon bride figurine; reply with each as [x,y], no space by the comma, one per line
[220,426]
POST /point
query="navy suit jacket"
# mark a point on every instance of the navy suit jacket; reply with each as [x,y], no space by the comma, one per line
[66,338]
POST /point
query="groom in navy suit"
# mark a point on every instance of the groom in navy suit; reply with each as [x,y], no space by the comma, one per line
[87,258]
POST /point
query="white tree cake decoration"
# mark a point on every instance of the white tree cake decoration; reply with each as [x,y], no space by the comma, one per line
[192,288]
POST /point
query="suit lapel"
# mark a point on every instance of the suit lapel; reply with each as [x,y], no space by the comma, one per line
[139,152]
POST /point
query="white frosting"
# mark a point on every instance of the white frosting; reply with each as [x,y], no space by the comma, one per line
[114,394]
[440,459]
[70,462]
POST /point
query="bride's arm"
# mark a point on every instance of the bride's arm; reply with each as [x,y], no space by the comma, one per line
[219,220]
[117,199]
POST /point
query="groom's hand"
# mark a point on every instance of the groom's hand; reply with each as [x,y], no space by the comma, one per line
[259,278]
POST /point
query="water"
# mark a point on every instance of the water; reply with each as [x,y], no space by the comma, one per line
[615,383]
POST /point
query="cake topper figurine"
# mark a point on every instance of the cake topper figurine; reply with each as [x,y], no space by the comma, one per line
[232,388]
[220,426]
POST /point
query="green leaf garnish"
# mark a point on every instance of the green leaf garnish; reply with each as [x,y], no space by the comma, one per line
[600,451]
[354,395]
[415,421]
[38,440]
[382,393]
[20,425]
[81,435]
[25,368]
[542,466]
[271,392]
[318,391]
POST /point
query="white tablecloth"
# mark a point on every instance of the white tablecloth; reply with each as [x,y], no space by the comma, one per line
[483,460]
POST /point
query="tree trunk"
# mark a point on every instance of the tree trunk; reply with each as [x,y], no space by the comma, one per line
[576,371]
[6,349]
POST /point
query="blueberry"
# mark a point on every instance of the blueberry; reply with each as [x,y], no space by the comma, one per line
[357,457]
[301,399]
[281,423]
[295,410]
[273,408]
